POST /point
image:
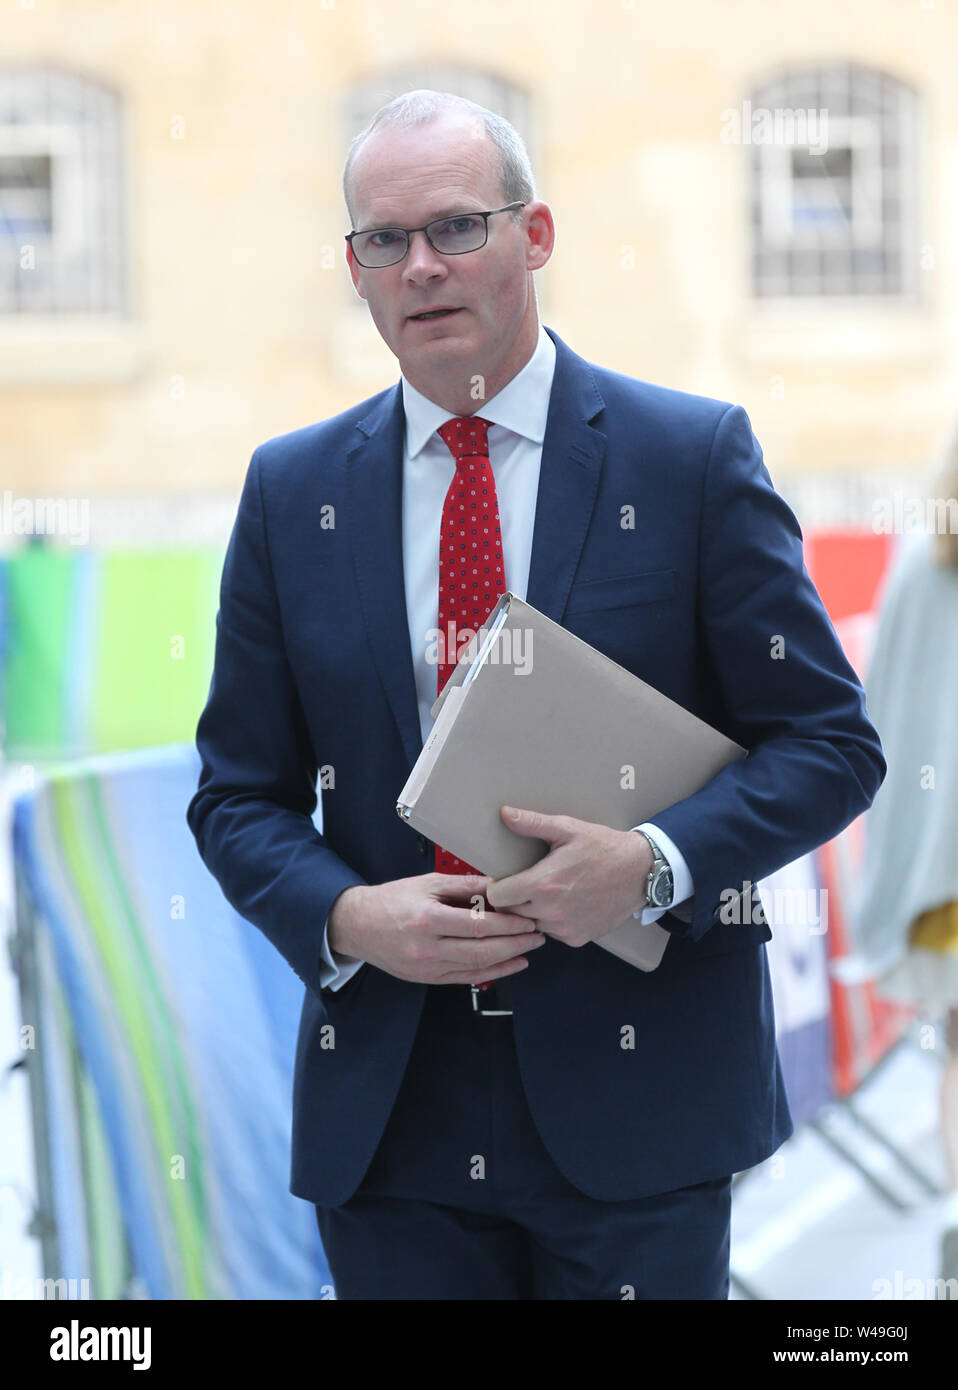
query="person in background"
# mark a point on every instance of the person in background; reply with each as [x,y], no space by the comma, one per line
[906,910]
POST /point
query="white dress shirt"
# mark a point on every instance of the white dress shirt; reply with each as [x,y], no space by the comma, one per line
[517,423]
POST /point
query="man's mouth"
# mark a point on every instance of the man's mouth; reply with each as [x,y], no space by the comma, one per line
[433,314]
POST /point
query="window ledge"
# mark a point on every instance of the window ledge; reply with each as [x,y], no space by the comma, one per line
[52,349]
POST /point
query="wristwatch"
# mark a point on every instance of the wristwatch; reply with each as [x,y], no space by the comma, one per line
[659,888]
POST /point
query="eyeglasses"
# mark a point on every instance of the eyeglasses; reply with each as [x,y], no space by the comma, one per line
[452,236]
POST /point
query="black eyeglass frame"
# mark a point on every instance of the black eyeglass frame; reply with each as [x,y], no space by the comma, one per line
[408,232]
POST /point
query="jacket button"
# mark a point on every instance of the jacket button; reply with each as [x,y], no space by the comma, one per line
[423,846]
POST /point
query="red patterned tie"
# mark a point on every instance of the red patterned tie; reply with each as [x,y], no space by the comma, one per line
[472,573]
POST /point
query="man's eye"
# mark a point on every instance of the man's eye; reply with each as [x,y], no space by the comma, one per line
[457,225]
[382,238]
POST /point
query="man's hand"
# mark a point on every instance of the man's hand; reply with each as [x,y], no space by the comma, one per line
[588,884]
[407,929]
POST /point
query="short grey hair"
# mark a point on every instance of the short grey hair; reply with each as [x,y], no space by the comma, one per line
[423,105]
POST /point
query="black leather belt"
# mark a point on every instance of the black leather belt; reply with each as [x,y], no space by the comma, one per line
[494,1001]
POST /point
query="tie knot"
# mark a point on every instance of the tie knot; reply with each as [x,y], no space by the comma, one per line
[466,435]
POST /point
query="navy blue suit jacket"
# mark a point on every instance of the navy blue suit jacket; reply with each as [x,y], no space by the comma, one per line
[638,1082]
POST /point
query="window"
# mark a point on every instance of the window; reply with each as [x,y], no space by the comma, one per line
[62,238]
[833,183]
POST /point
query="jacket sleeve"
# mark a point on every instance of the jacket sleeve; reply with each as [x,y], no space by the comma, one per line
[814,759]
[251,814]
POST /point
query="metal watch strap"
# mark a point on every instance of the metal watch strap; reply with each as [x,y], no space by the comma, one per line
[659,864]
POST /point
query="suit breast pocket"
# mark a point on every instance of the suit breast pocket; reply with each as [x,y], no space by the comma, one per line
[621,591]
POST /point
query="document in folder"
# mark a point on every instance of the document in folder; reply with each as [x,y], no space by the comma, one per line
[564,730]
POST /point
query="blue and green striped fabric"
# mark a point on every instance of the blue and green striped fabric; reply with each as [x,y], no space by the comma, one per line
[182,1021]
[106,650]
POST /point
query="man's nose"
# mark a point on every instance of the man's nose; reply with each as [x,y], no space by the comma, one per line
[422,259]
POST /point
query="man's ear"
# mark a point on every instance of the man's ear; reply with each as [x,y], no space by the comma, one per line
[541,232]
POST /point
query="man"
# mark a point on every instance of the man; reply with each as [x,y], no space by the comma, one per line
[571,1130]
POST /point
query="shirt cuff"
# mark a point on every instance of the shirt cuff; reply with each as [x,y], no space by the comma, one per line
[335,970]
[682,886]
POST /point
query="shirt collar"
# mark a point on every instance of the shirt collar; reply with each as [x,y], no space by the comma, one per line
[521,406]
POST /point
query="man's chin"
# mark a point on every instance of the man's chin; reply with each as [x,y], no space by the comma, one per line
[440,348]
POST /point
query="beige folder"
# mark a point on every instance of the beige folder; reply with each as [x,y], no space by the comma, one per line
[533,716]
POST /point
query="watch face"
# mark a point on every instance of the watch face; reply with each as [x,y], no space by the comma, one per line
[662,889]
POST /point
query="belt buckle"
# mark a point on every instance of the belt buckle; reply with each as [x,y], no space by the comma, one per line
[487,1013]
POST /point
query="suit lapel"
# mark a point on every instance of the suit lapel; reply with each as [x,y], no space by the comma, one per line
[572,455]
[374,521]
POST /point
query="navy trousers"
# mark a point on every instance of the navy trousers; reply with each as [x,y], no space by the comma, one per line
[462,1201]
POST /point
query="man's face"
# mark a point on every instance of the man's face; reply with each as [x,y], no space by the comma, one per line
[406,177]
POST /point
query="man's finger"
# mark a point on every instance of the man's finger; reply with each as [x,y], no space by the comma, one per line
[456,885]
[460,955]
[462,921]
[486,974]
[539,824]
[510,891]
